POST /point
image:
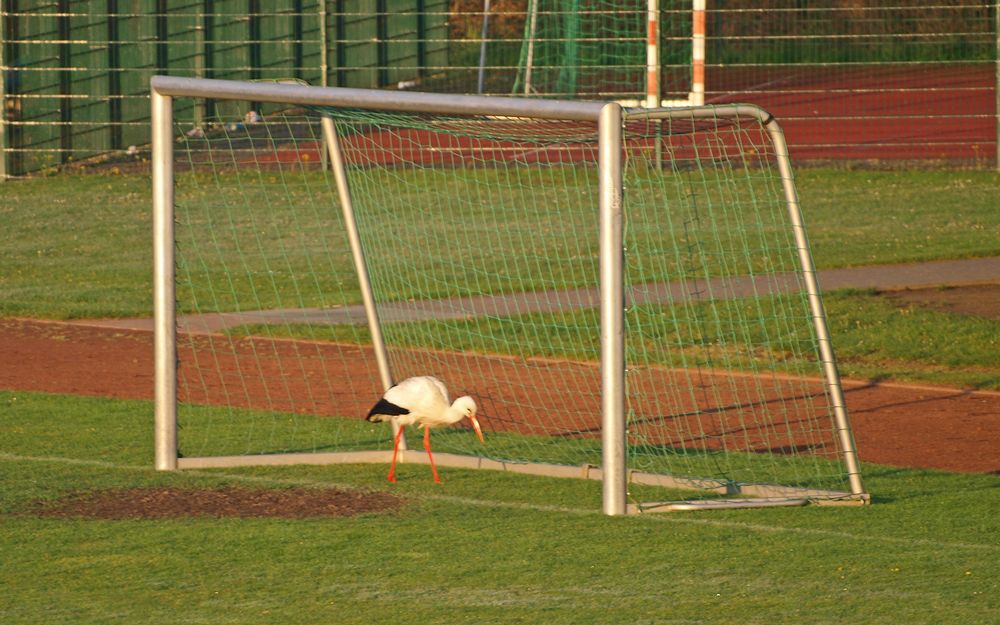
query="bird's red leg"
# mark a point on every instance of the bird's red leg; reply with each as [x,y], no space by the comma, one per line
[395,452]
[427,448]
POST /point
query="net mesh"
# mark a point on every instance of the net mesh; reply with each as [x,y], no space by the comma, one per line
[597,49]
[481,240]
[721,348]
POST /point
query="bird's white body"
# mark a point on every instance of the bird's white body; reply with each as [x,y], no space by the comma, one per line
[426,398]
[422,401]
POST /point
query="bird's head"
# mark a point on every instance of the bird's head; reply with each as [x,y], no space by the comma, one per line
[466,406]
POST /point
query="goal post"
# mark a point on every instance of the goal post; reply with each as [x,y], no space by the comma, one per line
[652,55]
[653,323]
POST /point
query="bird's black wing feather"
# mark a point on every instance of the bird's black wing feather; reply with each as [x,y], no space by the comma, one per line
[385,409]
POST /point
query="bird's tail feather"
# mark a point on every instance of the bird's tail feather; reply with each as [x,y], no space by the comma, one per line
[384,411]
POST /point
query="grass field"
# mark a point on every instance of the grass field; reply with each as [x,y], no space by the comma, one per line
[67,259]
[485,547]
[100,248]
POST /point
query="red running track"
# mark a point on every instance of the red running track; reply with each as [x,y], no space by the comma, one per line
[874,112]
[856,113]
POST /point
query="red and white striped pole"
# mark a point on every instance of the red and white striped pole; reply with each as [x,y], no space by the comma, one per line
[697,96]
[653,54]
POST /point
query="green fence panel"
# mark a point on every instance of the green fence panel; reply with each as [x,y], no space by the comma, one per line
[281,44]
[402,54]
[357,45]
[230,33]
[139,54]
[871,81]
[88,76]
[34,103]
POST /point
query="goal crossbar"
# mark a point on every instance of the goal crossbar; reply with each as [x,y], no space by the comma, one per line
[609,119]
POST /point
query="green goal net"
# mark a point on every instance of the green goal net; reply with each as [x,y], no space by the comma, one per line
[597,49]
[480,237]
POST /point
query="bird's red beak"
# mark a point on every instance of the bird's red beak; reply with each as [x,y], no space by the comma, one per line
[479,430]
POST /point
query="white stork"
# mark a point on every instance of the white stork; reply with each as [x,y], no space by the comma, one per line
[423,401]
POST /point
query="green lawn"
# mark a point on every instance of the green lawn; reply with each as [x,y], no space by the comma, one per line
[487,547]
[483,547]
[81,246]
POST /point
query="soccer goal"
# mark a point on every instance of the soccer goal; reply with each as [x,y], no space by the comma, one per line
[627,293]
[609,49]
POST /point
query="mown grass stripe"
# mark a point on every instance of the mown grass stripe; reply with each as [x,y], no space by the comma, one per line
[483,503]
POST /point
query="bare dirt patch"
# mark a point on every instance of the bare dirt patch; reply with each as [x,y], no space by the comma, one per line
[169,503]
[981,300]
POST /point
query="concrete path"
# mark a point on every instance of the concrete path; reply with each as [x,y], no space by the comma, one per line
[886,277]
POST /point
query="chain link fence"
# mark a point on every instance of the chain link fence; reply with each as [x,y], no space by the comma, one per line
[883,82]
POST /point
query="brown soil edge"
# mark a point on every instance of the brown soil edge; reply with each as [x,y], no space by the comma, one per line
[894,424]
[229,502]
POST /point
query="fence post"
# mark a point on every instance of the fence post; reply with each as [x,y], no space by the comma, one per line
[697,96]
[65,83]
[381,44]
[254,57]
[162,26]
[200,59]
[3,96]
[298,52]
[114,78]
[421,39]
[340,50]
[482,47]
[324,71]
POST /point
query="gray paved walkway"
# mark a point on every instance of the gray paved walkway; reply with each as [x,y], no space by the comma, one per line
[890,277]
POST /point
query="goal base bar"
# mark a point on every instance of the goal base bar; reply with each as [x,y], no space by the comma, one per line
[733,504]
[410,456]
[752,495]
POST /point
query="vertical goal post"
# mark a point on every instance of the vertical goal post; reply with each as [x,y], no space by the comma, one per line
[612,50]
[438,133]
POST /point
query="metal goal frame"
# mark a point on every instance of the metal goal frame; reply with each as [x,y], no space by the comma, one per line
[609,119]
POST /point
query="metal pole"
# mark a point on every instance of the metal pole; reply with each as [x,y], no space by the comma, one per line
[382,43]
[67,106]
[482,47]
[653,54]
[324,70]
[653,74]
[566,79]
[3,95]
[114,77]
[533,23]
[697,95]
[421,39]
[612,310]
[165,329]
[357,252]
[324,52]
[405,101]
[830,372]
[200,62]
